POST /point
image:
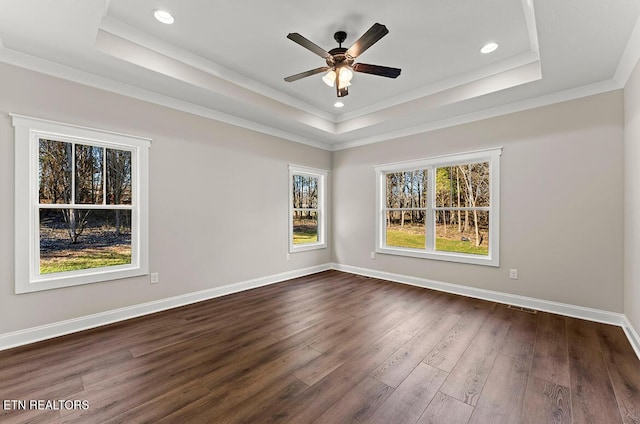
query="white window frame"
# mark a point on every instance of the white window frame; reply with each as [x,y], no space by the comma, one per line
[321,175]
[430,164]
[28,132]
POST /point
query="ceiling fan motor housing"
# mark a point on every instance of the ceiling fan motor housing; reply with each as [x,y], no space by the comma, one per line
[340,36]
[339,57]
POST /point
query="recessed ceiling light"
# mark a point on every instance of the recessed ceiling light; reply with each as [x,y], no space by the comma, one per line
[489,47]
[163,16]
[338,104]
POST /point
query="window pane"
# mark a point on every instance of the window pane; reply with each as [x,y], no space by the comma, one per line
[74,239]
[479,173]
[406,189]
[305,227]
[463,185]
[406,229]
[89,178]
[305,192]
[448,187]
[118,177]
[463,232]
[54,172]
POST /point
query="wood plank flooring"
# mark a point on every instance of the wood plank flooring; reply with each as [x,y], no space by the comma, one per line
[331,348]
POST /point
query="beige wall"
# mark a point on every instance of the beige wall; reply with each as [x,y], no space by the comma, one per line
[632,198]
[218,199]
[561,189]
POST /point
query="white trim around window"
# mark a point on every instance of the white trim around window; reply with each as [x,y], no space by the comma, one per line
[428,209]
[29,133]
[313,208]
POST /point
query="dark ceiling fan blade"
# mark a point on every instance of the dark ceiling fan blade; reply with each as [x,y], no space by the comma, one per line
[306,74]
[383,71]
[375,33]
[297,38]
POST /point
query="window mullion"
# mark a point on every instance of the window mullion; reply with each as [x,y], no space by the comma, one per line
[430,226]
[85,206]
[104,175]
[73,174]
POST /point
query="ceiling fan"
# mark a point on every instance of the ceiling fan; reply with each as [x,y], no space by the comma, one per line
[340,60]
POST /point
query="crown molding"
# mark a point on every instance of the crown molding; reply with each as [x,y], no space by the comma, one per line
[532,28]
[513,63]
[630,56]
[54,69]
[23,60]
[133,35]
[142,56]
[549,99]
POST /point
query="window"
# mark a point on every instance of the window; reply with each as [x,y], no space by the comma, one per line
[444,208]
[307,215]
[81,205]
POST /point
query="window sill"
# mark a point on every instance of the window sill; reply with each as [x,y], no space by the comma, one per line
[440,256]
[307,247]
[77,278]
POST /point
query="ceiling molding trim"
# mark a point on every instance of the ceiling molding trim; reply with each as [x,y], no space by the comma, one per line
[503,66]
[136,54]
[105,8]
[457,94]
[532,29]
[630,56]
[549,99]
[42,66]
[129,33]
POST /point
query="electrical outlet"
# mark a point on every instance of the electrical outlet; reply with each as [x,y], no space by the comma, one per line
[288,256]
[373,255]
[155,278]
[513,274]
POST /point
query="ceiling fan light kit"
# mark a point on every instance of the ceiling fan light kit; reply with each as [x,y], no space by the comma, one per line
[340,61]
[330,78]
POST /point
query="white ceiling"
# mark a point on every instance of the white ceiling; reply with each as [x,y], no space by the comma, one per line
[227,60]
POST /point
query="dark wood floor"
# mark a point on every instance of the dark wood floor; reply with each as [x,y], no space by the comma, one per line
[332,348]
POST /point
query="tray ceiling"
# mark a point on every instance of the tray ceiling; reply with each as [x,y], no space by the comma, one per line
[227,60]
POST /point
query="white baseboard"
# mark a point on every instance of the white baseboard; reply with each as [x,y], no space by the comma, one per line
[35,334]
[565,309]
[632,335]
[48,331]
[589,314]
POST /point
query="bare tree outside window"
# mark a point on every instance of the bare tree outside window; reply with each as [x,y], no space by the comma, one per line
[406,208]
[462,200]
[460,206]
[305,209]
[84,201]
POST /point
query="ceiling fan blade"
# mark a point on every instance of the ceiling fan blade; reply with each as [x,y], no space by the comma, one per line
[383,71]
[375,33]
[306,74]
[297,38]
